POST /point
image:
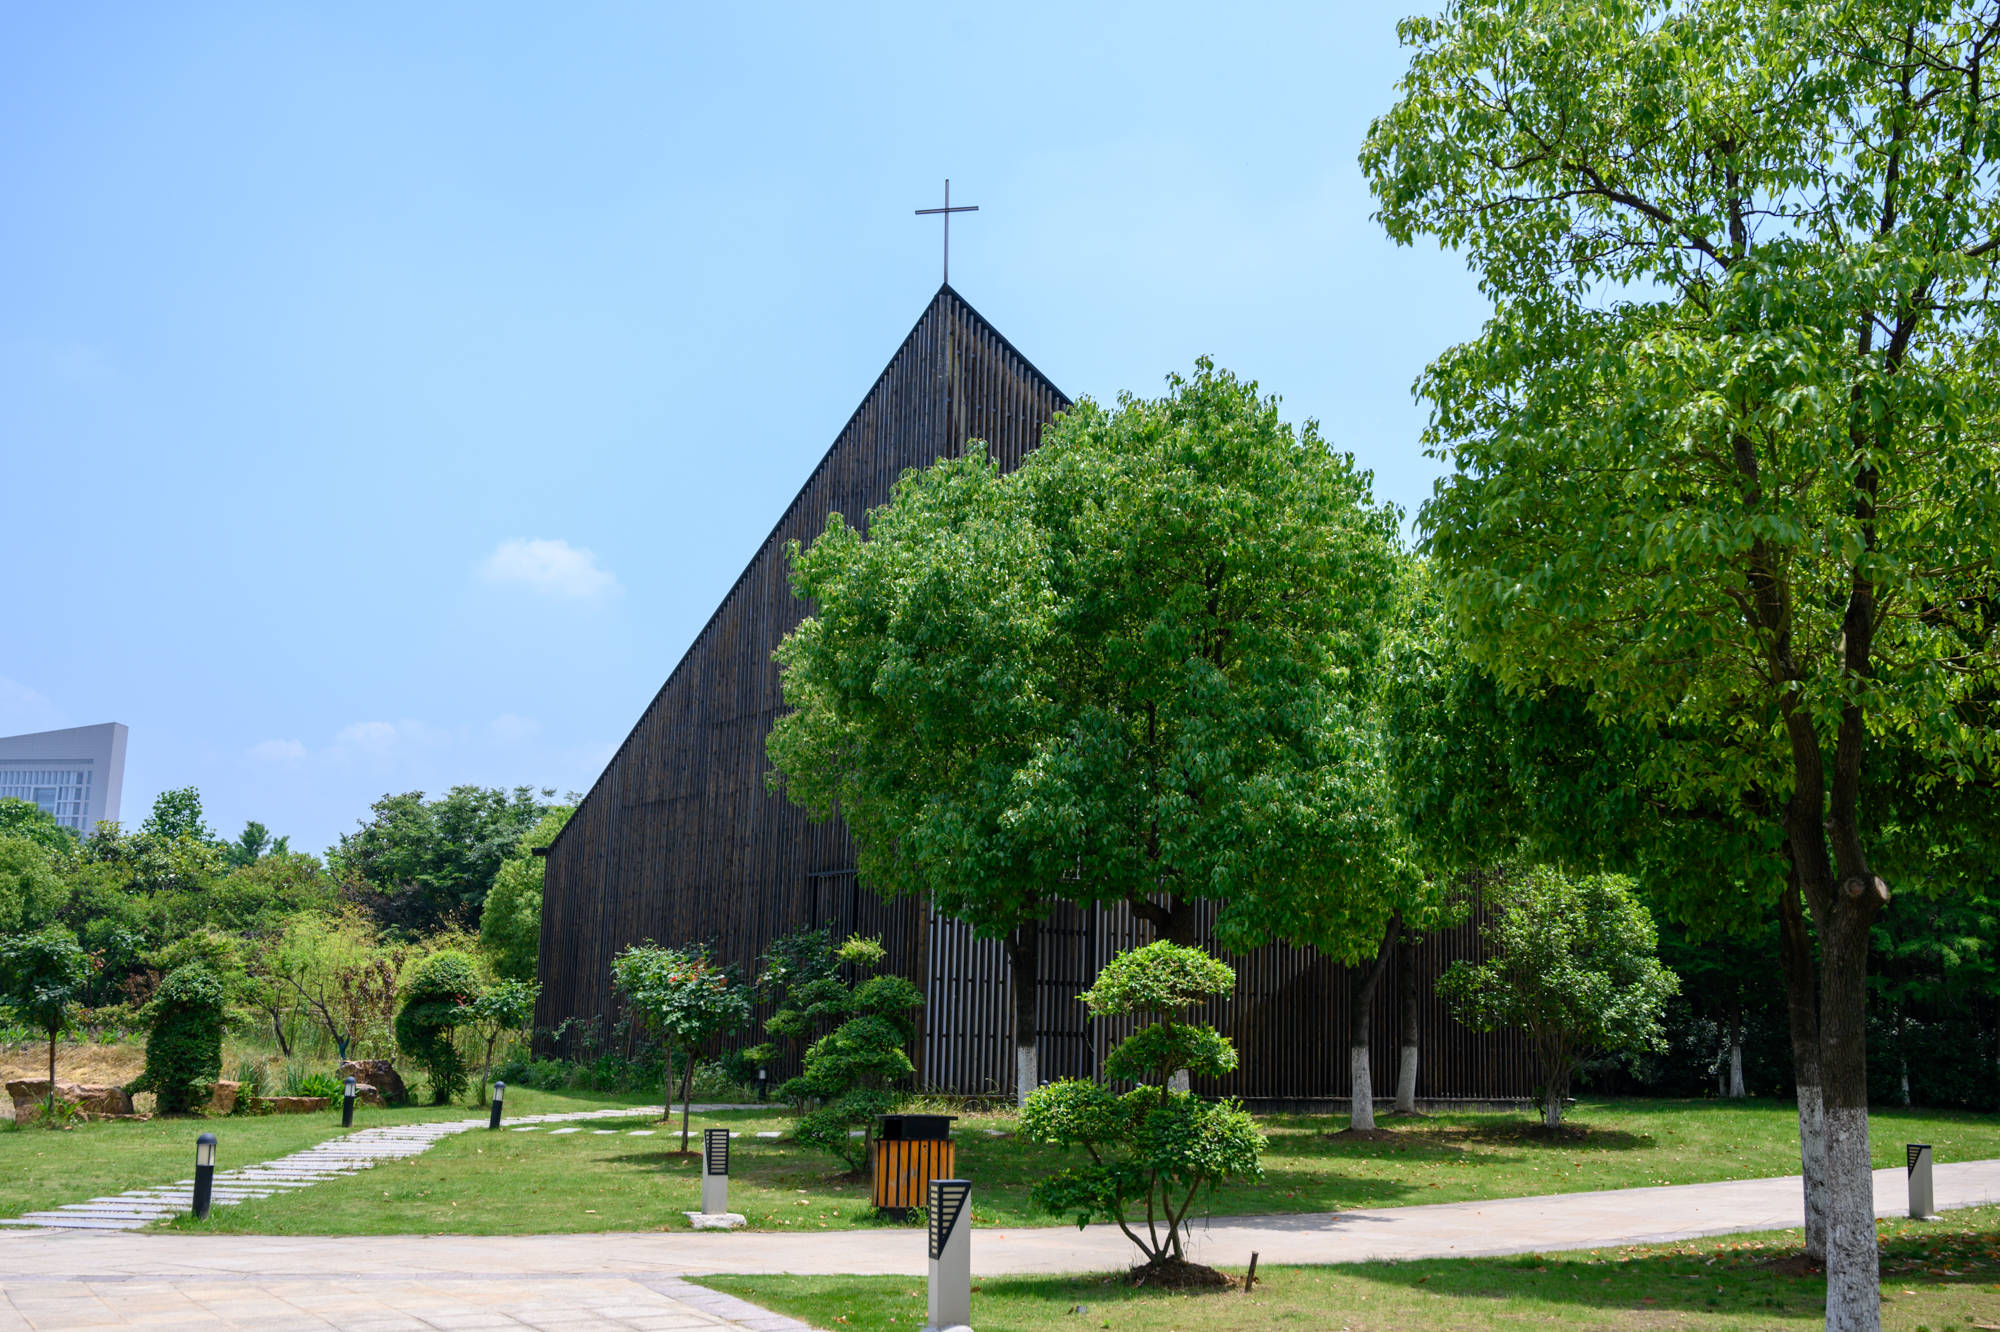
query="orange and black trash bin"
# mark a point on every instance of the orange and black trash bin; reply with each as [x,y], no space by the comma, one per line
[910,1152]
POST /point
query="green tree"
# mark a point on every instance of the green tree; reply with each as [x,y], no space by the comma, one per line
[1724,452]
[1134,670]
[502,1007]
[32,891]
[686,998]
[334,968]
[422,864]
[800,978]
[862,1068]
[42,977]
[24,818]
[249,846]
[1153,1146]
[184,1043]
[1572,962]
[442,989]
[510,924]
[274,886]
[177,814]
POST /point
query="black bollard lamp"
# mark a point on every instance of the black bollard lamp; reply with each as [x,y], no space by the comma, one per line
[204,1174]
[763,1084]
[499,1090]
[347,1105]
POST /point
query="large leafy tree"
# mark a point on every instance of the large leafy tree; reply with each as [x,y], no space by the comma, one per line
[1134,670]
[422,864]
[510,922]
[1724,455]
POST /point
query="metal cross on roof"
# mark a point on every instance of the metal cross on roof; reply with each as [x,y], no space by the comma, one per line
[948,210]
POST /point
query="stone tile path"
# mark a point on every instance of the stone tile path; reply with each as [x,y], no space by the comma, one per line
[337,1156]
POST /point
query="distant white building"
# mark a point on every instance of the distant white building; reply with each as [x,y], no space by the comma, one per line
[74,774]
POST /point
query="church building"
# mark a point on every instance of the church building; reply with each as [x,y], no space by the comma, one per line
[680,841]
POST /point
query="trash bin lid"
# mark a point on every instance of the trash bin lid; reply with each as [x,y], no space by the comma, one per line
[920,1128]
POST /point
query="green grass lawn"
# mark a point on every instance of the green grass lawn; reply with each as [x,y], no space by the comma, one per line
[1936,1275]
[47,1167]
[523,1183]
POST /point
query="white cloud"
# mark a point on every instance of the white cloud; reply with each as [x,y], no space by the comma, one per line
[554,568]
[510,729]
[277,751]
[382,740]
[23,709]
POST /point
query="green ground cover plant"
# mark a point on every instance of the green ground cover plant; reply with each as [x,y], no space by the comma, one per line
[527,1183]
[46,1169]
[1936,1275]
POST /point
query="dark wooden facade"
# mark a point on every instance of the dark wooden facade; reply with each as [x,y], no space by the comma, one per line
[679,839]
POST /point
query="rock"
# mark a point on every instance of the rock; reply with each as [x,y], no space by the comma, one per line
[294,1105]
[379,1074]
[222,1100]
[715,1220]
[30,1094]
[367,1095]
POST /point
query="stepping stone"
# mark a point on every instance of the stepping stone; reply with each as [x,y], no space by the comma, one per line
[770,1133]
[529,1128]
[557,1132]
[603,1131]
[993,1133]
[640,1133]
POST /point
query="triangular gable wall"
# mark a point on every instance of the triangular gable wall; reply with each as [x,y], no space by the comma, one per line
[679,839]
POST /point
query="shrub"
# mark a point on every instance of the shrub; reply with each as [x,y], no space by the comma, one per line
[184,1048]
[1571,961]
[861,1068]
[440,989]
[318,1084]
[1152,1148]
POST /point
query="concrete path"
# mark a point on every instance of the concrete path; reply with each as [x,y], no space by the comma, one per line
[340,1155]
[379,1284]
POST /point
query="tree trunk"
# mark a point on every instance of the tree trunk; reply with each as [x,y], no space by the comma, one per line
[1360,1020]
[1023,947]
[1174,922]
[687,1085]
[1736,1092]
[667,1087]
[50,1112]
[1795,951]
[1406,983]
[1854,1295]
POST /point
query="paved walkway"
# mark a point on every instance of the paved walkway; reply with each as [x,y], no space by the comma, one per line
[80,1279]
[330,1159]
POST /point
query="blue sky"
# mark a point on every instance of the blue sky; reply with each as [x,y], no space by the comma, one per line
[388,394]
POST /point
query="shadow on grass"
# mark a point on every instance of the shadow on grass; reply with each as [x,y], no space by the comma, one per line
[1721,1275]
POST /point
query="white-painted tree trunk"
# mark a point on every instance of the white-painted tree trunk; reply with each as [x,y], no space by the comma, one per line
[1736,1092]
[1361,1106]
[1552,1110]
[1179,1082]
[1812,1165]
[1024,1073]
[1853,1295]
[1406,1082]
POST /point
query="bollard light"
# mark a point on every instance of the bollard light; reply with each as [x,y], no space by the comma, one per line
[204,1174]
[763,1085]
[715,1172]
[347,1105]
[951,1254]
[499,1090]
[1917,1161]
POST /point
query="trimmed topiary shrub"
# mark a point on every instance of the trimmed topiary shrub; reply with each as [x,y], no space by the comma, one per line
[184,1047]
[427,1024]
